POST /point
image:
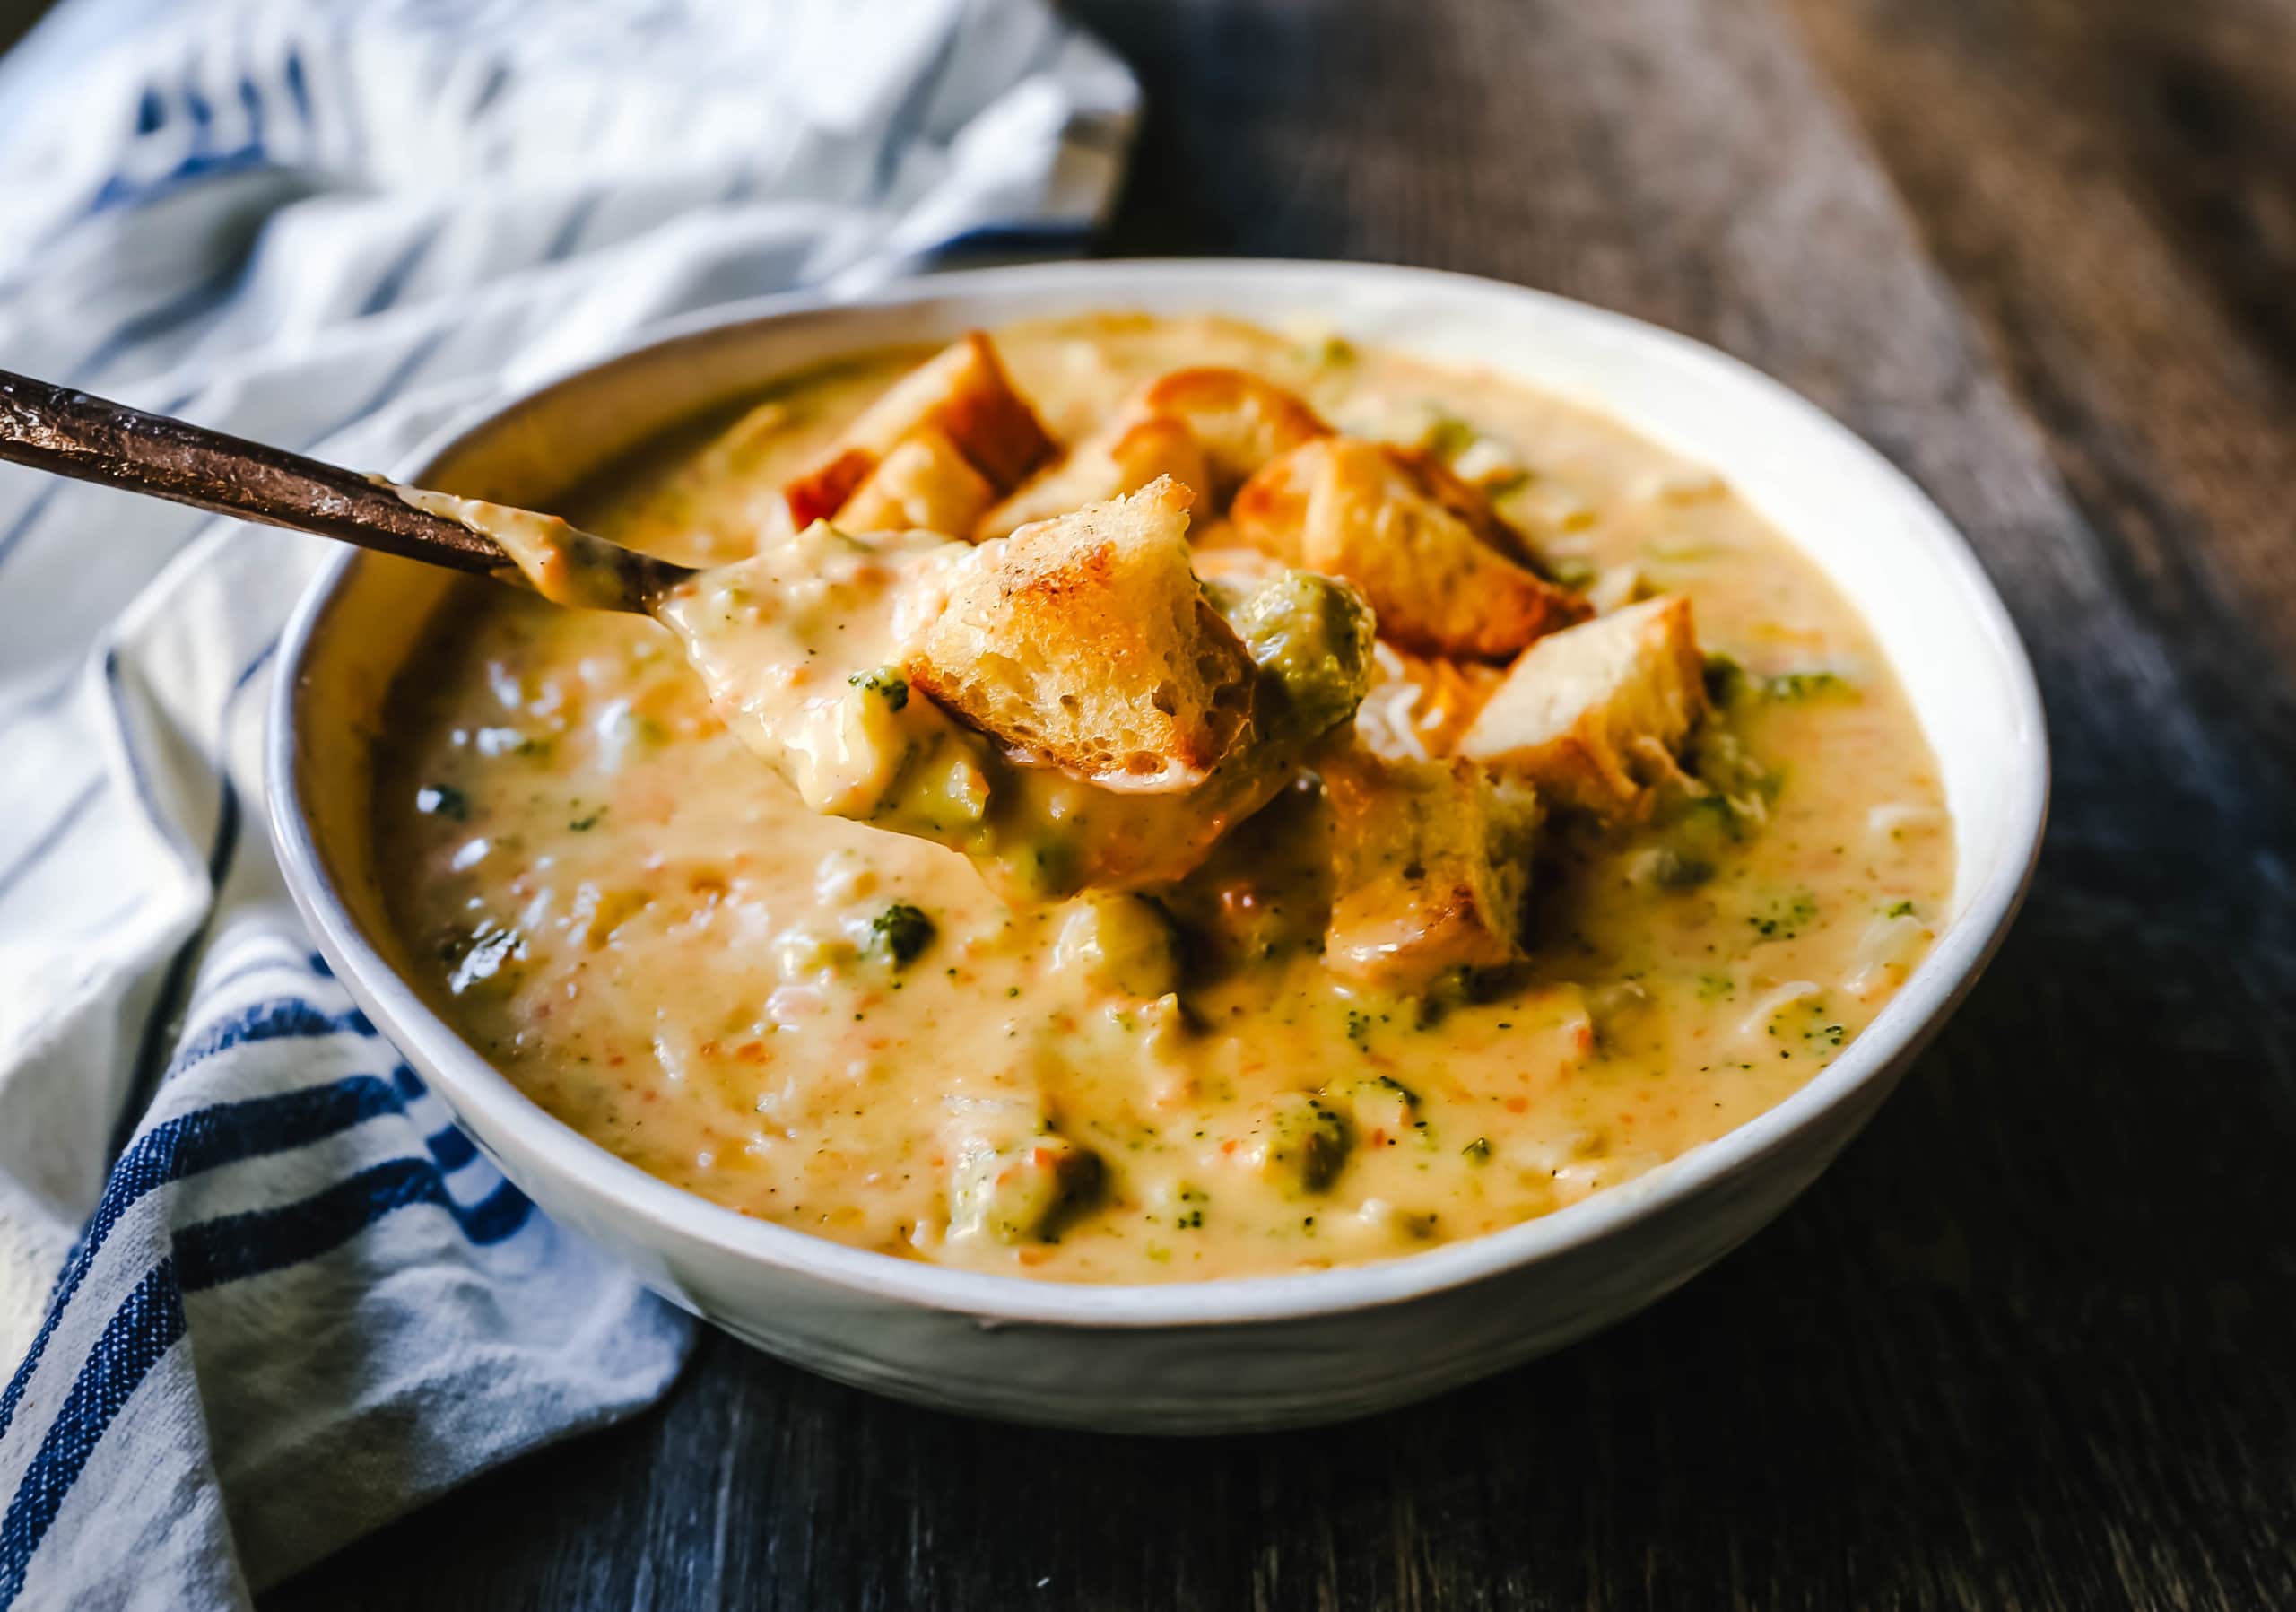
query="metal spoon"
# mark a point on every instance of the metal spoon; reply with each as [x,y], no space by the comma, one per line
[70,433]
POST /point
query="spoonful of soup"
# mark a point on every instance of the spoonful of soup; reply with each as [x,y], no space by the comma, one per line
[1068,705]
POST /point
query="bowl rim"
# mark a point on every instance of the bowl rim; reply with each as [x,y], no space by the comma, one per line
[484,1098]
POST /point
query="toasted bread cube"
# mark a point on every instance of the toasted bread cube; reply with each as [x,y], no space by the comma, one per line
[821,492]
[1596,714]
[1270,512]
[1240,421]
[963,392]
[1471,503]
[1124,459]
[1431,861]
[923,484]
[1087,640]
[1379,516]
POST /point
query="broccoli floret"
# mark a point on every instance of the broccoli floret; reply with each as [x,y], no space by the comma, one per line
[884,680]
[1804,686]
[1312,635]
[901,932]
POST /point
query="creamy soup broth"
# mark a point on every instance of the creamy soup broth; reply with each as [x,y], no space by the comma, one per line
[646,931]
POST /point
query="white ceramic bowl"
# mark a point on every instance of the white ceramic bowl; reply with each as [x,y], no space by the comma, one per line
[1266,1351]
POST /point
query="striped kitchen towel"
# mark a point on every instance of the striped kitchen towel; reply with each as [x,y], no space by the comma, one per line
[257,1294]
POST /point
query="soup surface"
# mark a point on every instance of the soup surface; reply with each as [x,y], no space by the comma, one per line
[839,1028]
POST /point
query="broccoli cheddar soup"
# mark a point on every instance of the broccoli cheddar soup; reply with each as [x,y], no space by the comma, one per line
[1127,799]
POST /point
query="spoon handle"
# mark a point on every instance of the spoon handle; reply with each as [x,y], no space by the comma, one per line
[55,429]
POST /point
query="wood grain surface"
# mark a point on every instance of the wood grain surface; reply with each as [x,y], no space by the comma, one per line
[2032,1342]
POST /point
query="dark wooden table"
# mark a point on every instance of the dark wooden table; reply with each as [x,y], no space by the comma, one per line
[2032,1343]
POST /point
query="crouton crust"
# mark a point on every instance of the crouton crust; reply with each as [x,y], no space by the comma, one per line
[961,391]
[823,490]
[1401,531]
[1596,714]
[1270,512]
[1085,639]
[1124,459]
[923,483]
[1240,421]
[1430,862]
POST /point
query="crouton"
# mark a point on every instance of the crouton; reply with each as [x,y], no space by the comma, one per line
[1122,458]
[922,484]
[1086,640]
[1431,861]
[1381,517]
[1270,512]
[963,392]
[1238,420]
[1469,502]
[1596,714]
[1053,835]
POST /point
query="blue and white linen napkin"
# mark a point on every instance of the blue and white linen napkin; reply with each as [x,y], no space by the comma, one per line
[257,1294]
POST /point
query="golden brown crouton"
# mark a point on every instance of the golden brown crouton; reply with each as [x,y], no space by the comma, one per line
[961,391]
[1594,716]
[1431,861]
[1086,640]
[1122,458]
[1238,420]
[1380,517]
[1270,512]
[1464,499]
[922,484]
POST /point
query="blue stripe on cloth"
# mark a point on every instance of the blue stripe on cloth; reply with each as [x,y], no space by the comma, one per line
[1049,240]
[120,191]
[569,231]
[403,371]
[56,831]
[230,1248]
[160,1017]
[146,1326]
[290,1018]
[209,294]
[234,1247]
[113,691]
[899,139]
[451,1148]
[203,1140]
[251,101]
[498,79]
[275,962]
[47,697]
[392,281]
[299,89]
